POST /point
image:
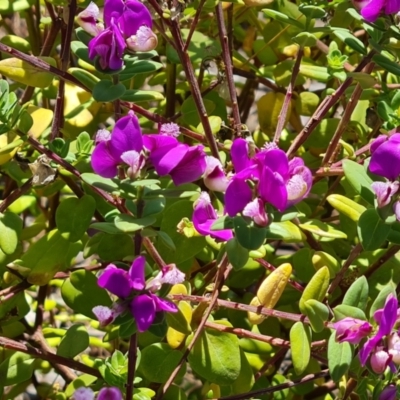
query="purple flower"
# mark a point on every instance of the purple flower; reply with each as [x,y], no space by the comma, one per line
[144,304]
[389,393]
[214,175]
[123,145]
[83,393]
[351,330]
[109,393]
[126,22]
[170,129]
[109,45]
[384,192]
[371,9]
[204,216]
[385,156]
[386,319]
[170,274]
[268,175]
[182,162]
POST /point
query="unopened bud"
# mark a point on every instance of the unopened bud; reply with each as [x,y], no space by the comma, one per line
[144,40]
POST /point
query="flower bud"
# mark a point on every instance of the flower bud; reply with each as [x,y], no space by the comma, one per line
[83,393]
[389,393]
[110,393]
[144,40]
[394,347]
[380,359]
[88,20]
[351,330]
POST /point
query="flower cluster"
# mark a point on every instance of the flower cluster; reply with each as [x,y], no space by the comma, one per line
[134,294]
[371,9]
[261,177]
[127,25]
[383,348]
[126,146]
[385,162]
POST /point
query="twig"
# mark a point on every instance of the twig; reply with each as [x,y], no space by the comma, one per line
[277,388]
[227,59]
[223,272]
[193,25]
[324,107]
[288,97]
[378,263]
[15,195]
[339,276]
[276,357]
[48,356]
[132,354]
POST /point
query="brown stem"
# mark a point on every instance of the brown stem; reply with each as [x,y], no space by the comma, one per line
[132,355]
[15,195]
[288,97]
[227,59]
[193,25]
[324,107]
[277,388]
[19,287]
[48,356]
[275,358]
[339,276]
[391,252]
[332,149]
[223,272]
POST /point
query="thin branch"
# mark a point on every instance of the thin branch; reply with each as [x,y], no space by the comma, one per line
[288,97]
[48,356]
[223,272]
[132,355]
[227,59]
[15,195]
[193,25]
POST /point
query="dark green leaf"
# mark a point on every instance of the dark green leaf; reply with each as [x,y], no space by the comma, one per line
[106,91]
[372,231]
[339,357]
[249,236]
[237,254]
[359,180]
[74,342]
[357,294]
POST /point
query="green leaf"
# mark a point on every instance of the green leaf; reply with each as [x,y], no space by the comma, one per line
[27,74]
[300,345]
[186,247]
[249,236]
[18,368]
[316,288]
[138,67]
[357,294]
[371,230]
[286,231]
[322,229]
[317,313]
[237,254]
[245,380]
[73,216]
[305,39]
[10,231]
[359,180]
[102,183]
[178,322]
[137,96]
[128,224]
[75,341]
[385,63]
[283,18]
[343,310]
[216,356]
[346,206]
[81,293]
[224,222]
[350,40]
[105,91]
[48,255]
[339,358]
[158,361]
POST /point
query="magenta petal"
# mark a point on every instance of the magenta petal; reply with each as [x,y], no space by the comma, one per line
[392,6]
[126,136]
[238,195]
[136,273]
[143,309]
[272,189]
[389,316]
[385,161]
[277,161]
[366,350]
[115,280]
[109,393]
[240,155]
[191,167]
[134,16]
[102,161]
[372,10]
[164,305]
[204,216]
[112,8]
[171,159]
